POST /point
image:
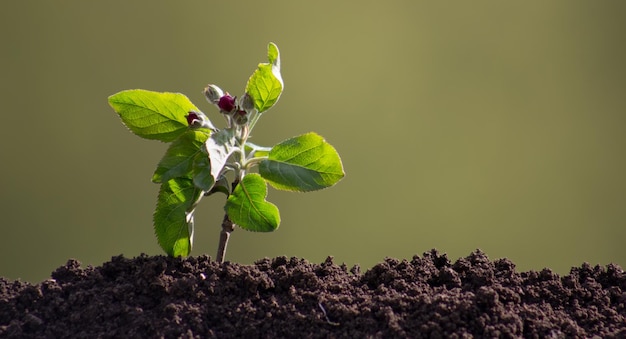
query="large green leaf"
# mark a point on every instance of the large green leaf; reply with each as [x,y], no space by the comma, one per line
[153,115]
[179,157]
[173,217]
[247,206]
[303,163]
[266,84]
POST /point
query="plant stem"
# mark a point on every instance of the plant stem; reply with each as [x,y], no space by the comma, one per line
[253,121]
[227,228]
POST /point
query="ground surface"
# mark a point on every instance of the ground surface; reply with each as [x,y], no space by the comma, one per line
[427,297]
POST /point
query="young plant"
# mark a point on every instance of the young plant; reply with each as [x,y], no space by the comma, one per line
[203,160]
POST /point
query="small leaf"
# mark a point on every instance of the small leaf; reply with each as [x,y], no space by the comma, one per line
[179,157]
[273,56]
[173,217]
[247,206]
[303,163]
[220,146]
[153,115]
[266,84]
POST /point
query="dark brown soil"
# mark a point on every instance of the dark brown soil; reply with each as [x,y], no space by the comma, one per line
[427,297]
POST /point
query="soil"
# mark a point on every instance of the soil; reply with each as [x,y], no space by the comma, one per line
[426,297]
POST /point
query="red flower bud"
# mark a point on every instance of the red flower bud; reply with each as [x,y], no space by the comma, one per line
[192,118]
[199,120]
[227,103]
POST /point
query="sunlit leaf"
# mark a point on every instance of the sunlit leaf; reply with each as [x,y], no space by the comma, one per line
[266,84]
[153,115]
[303,163]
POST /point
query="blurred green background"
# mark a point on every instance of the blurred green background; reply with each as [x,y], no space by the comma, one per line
[461,125]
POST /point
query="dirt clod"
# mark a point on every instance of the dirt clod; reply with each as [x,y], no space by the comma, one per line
[426,297]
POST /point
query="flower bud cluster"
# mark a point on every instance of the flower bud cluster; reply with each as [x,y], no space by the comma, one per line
[236,111]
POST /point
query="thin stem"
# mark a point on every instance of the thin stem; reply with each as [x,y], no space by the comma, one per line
[227,228]
[253,120]
[242,133]
[253,161]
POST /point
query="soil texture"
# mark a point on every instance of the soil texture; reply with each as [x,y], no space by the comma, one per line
[426,297]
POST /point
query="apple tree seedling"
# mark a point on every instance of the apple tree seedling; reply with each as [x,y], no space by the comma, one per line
[202,159]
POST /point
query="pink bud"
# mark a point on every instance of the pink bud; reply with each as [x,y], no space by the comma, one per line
[192,118]
[227,103]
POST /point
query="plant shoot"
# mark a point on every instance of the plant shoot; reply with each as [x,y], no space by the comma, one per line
[202,159]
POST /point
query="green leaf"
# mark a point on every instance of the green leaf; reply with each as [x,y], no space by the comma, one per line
[179,157]
[220,146]
[153,115]
[273,56]
[201,170]
[173,217]
[247,206]
[303,163]
[266,84]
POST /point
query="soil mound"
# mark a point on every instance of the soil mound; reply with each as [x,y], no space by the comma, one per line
[426,297]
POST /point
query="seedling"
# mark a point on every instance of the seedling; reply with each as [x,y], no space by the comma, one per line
[202,160]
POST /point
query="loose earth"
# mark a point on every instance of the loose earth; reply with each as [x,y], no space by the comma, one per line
[426,297]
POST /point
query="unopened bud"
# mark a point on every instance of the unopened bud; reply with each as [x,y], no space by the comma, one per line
[240,117]
[193,118]
[246,103]
[199,120]
[226,103]
[213,94]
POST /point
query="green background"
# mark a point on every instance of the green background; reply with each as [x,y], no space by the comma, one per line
[461,125]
